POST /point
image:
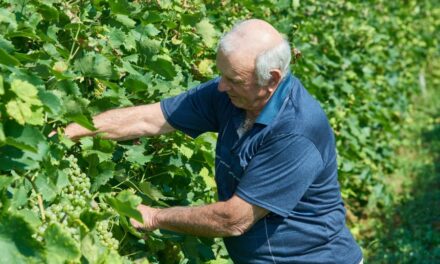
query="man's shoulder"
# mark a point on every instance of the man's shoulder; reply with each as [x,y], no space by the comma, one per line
[301,112]
[302,115]
[208,93]
[210,85]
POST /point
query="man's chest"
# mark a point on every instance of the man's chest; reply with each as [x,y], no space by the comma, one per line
[234,153]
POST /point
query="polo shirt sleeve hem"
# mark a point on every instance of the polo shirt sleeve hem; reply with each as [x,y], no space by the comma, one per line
[243,195]
[171,122]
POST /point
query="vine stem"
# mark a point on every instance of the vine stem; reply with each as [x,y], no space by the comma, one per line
[40,205]
[39,199]
[73,44]
[156,175]
[23,4]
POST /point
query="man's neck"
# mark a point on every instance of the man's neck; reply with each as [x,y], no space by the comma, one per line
[252,115]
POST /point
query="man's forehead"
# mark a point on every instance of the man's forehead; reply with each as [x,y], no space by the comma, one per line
[236,61]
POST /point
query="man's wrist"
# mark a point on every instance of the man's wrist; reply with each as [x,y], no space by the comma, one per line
[155,220]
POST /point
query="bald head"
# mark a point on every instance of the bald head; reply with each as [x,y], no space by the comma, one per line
[259,43]
[250,37]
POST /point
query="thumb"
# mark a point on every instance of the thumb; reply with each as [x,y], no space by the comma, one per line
[136,224]
[52,133]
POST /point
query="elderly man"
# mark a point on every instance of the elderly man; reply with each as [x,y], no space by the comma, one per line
[276,169]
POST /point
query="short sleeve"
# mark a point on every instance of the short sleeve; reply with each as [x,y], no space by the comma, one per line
[195,111]
[280,173]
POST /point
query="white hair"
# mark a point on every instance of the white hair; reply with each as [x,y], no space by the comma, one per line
[277,57]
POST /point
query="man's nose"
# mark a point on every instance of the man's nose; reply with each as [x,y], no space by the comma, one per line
[223,86]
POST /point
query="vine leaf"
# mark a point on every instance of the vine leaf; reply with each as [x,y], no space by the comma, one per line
[126,204]
[7,59]
[94,65]
[60,246]
[6,45]
[5,181]
[2,89]
[150,47]
[116,38]
[94,252]
[2,135]
[90,218]
[25,138]
[120,6]
[49,13]
[29,147]
[135,154]
[205,67]
[209,180]
[104,172]
[152,192]
[205,29]
[19,197]
[26,108]
[46,187]
[151,30]
[16,243]
[125,20]
[51,101]
[163,65]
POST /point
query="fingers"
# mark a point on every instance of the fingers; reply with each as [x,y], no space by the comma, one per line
[136,224]
[52,133]
[148,213]
[72,131]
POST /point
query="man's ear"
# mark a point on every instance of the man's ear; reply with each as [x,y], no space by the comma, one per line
[275,79]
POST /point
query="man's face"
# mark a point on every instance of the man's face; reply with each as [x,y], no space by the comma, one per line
[238,80]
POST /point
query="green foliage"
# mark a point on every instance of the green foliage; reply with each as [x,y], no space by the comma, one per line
[64,61]
[60,246]
[16,242]
[407,231]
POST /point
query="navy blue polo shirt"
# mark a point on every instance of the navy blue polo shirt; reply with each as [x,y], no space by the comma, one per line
[286,163]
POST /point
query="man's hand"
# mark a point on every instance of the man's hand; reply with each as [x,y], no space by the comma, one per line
[74,131]
[149,217]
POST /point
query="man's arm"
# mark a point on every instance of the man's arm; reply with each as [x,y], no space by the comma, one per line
[221,219]
[125,123]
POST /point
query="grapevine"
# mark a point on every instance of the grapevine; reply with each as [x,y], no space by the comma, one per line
[72,201]
[66,61]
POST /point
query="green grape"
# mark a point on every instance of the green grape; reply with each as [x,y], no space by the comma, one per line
[106,236]
[71,202]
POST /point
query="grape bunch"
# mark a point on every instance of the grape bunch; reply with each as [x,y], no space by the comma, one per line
[72,200]
[105,235]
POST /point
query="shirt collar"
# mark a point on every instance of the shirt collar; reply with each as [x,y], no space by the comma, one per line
[275,102]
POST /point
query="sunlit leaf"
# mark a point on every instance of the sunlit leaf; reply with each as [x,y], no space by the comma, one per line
[60,246]
[136,154]
[23,113]
[207,31]
[125,20]
[125,203]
